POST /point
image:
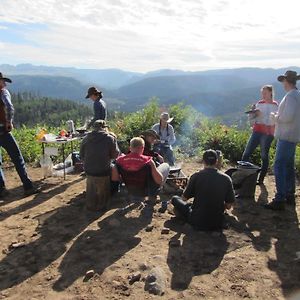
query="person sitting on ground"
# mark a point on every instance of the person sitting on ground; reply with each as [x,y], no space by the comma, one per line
[150,137]
[138,172]
[167,138]
[100,112]
[97,151]
[212,191]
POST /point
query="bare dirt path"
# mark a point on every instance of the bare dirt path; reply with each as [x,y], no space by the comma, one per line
[56,242]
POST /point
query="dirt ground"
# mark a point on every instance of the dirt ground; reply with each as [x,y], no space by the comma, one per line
[49,241]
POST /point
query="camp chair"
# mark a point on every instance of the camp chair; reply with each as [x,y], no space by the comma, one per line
[136,182]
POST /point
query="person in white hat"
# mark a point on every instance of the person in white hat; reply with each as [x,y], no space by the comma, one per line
[167,138]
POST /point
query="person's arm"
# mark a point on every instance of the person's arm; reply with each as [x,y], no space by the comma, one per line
[171,137]
[230,197]
[9,109]
[104,110]
[156,175]
[114,151]
[82,150]
[189,191]
[287,115]
[99,113]
[115,176]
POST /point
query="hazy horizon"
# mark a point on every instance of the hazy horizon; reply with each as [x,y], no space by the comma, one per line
[142,36]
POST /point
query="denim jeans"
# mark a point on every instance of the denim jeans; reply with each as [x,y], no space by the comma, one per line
[167,153]
[284,169]
[265,142]
[8,142]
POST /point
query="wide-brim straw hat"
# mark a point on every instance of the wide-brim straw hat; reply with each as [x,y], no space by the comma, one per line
[166,117]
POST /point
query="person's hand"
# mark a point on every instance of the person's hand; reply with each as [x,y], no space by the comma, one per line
[273,117]
[9,126]
[258,113]
[228,206]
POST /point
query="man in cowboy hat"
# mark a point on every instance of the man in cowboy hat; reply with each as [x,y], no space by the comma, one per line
[167,137]
[100,112]
[150,137]
[8,142]
[287,132]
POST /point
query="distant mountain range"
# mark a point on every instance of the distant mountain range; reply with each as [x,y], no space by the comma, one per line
[214,92]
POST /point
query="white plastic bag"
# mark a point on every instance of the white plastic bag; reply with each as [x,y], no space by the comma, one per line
[46,165]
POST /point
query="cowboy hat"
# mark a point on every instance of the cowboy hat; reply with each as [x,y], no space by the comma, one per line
[166,117]
[5,78]
[150,132]
[289,75]
[92,91]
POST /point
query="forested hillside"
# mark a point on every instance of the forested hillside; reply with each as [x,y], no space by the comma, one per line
[31,110]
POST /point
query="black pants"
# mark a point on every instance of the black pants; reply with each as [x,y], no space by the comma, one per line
[182,209]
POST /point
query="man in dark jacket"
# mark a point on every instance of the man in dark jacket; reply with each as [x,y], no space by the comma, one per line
[97,150]
[8,142]
[100,112]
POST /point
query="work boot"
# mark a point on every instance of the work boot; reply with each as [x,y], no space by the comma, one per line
[3,193]
[275,205]
[31,191]
[291,200]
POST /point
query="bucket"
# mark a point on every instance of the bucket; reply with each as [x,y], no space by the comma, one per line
[244,179]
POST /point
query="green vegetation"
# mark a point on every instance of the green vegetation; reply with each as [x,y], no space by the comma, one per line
[195,133]
[31,110]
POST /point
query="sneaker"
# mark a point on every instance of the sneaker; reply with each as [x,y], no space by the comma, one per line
[3,193]
[275,205]
[291,200]
[33,190]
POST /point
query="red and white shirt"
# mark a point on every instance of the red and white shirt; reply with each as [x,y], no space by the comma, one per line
[133,161]
[263,122]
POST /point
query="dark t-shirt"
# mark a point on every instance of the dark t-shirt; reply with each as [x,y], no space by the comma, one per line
[210,189]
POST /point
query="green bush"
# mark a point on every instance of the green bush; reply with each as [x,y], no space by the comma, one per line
[194,133]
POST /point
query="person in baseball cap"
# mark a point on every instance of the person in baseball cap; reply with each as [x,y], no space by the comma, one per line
[212,192]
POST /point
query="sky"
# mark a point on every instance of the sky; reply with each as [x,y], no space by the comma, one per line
[146,35]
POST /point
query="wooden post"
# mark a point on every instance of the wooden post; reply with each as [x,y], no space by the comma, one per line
[98,193]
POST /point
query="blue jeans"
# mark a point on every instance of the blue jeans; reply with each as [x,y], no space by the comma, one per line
[167,153]
[284,169]
[8,142]
[265,142]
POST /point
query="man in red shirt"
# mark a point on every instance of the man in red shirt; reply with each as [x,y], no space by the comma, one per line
[138,171]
